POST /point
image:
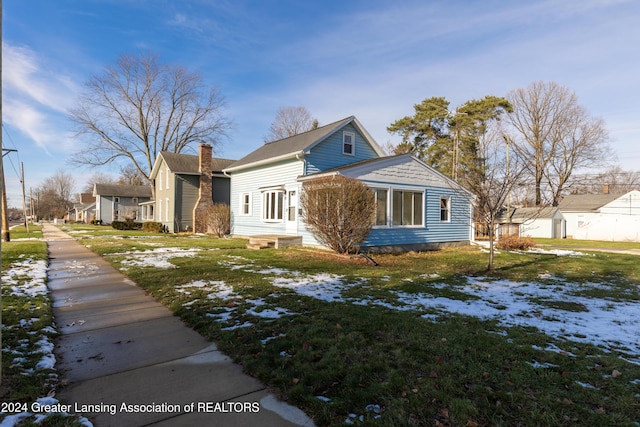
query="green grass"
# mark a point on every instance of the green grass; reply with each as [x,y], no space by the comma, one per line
[387,367]
[419,371]
[26,320]
[597,244]
[21,232]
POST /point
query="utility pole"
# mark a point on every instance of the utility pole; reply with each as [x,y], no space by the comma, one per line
[2,174]
[6,235]
[24,201]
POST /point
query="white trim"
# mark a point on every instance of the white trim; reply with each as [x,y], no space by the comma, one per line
[248,204]
[273,205]
[352,143]
[448,208]
[389,208]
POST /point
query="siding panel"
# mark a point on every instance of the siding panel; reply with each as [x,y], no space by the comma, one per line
[328,154]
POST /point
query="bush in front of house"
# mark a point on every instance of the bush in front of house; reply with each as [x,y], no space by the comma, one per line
[152,227]
[515,243]
[126,225]
[339,211]
[96,222]
[219,219]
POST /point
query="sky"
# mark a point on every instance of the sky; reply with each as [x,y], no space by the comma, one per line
[372,59]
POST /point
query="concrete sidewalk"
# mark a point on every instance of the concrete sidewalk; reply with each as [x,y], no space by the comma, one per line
[121,347]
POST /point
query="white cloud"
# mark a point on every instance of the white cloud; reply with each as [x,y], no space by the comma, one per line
[36,98]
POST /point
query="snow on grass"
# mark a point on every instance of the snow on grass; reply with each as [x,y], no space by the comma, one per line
[158,258]
[556,252]
[26,278]
[216,289]
[554,307]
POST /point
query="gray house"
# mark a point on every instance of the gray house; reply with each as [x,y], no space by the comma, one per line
[119,202]
[185,185]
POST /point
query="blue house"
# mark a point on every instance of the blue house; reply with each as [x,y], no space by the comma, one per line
[418,208]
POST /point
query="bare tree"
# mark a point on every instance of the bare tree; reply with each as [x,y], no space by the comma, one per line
[614,180]
[290,121]
[558,136]
[97,177]
[129,175]
[494,180]
[140,107]
[339,211]
[55,195]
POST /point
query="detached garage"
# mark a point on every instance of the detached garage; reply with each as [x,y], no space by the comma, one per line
[609,217]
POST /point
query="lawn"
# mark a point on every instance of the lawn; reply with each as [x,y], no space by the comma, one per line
[28,331]
[421,339]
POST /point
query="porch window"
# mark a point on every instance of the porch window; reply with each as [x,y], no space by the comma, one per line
[272,205]
[348,143]
[445,209]
[381,207]
[408,208]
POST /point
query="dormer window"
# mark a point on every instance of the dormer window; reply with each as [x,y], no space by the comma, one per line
[348,143]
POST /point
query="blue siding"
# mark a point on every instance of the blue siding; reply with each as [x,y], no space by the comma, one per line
[434,231]
[328,154]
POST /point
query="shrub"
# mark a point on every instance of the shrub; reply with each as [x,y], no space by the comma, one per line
[96,221]
[515,243]
[219,219]
[339,211]
[126,225]
[152,227]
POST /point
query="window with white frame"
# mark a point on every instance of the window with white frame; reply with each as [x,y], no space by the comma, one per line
[159,210]
[168,178]
[381,196]
[292,201]
[166,209]
[245,204]
[407,208]
[445,209]
[272,205]
[348,143]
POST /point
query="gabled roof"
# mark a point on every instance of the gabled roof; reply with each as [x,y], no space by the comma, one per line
[520,215]
[586,202]
[121,190]
[87,198]
[187,164]
[370,168]
[298,145]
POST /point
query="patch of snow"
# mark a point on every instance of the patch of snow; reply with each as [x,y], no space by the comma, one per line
[158,258]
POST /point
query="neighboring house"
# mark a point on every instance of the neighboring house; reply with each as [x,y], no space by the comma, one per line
[545,222]
[85,209]
[612,217]
[119,202]
[418,207]
[185,186]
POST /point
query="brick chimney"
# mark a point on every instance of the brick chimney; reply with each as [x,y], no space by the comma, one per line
[605,188]
[205,190]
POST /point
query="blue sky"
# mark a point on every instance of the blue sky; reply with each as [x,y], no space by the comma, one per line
[368,58]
